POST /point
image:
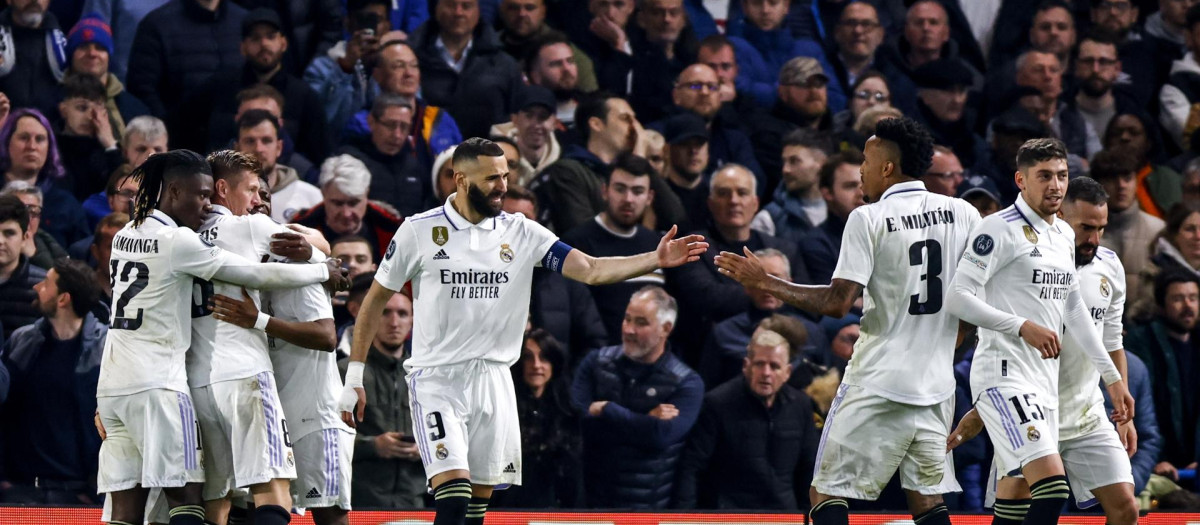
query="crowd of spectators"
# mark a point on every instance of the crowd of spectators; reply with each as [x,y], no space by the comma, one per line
[742,120]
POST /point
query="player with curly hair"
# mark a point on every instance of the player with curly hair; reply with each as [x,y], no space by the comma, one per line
[898,393]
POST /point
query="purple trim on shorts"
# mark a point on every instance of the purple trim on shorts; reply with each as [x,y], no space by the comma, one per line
[332,462]
[274,443]
[418,419]
[188,425]
[1006,418]
[833,408]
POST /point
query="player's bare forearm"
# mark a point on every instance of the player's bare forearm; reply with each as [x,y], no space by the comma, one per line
[833,300]
[607,270]
[367,321]
[1118,359]
[320,335]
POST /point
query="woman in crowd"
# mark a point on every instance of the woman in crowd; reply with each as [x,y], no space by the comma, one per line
[29,152]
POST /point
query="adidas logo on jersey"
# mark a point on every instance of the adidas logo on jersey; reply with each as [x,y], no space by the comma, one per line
[1035,252]
[510,469]
[314,493]
[440,256]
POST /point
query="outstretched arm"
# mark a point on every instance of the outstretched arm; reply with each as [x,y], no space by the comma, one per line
[671,252]
[834,299]
[353,401]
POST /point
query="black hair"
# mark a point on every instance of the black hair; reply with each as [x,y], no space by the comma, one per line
[519,193]
[1166,278]
[12,209]
[551,38]
[835,161]
[254,117]
[593,105]
[1086,189]
[86,87]
[632,164]
[716,42]
[355,239]
[473,148]
[1047,5]
[79,281]
[558,389]
[809,138]
[1038,150]
[507,140]
[158,170]
[1113,163]
[353,6]
[911,140]
[1098,37]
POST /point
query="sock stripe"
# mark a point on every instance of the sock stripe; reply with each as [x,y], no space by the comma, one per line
[930,513]
[1053,487]
[830,503]
[189,510]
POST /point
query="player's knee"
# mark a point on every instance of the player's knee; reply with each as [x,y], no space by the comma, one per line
[921,503]
[1123,512]
[190,494]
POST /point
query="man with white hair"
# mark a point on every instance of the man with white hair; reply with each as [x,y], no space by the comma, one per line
[345,209]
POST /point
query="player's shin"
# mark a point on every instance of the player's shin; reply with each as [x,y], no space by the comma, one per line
[1010,511]
[1049,495]
[476,509]
[938,515]
[187,515]
[834,511]
[451,501]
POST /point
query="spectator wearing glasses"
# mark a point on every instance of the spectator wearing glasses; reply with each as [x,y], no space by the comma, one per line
[857,37]
[1098,70]
[1143,58]
[945,173]
[40,247]
[870,89]
[397,174]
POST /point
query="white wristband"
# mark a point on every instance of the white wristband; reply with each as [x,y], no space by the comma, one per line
[354,374]
[261,323]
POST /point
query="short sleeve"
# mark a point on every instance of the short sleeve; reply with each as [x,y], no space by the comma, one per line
[192,256]
[857,257]
[988,250]
[402,260]
[539,237]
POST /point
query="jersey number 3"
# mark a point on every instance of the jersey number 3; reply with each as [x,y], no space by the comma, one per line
[140,279]
[927,253]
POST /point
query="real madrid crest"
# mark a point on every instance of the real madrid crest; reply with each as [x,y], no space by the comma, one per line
[442,453]
[1033,433]
[506,253]
[440,235]
[1030,235]
[1105,287]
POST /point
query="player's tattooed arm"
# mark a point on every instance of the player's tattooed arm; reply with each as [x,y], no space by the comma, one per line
[834,299]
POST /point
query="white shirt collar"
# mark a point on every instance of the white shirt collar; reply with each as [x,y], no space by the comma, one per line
[459,222]
[1031,217]
[162,217]
[904,187]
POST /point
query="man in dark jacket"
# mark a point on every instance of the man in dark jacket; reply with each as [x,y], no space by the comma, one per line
[841,187]
[640,402]
[179,46]
[32,59]
[1166,346]
[803,103]
[398,175]
[346,210]
[754,444]
[464,69]
[50,442]
[17,276]
[207,119]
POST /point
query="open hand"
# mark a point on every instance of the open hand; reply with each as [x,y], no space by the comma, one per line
[674,252]
[241,313]
[748,270]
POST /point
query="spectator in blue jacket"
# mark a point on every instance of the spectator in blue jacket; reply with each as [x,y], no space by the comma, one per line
[765,45]
[1149,441]
[55,365]
[639,402]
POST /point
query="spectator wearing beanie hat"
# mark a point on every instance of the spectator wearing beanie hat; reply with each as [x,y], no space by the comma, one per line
[90,52]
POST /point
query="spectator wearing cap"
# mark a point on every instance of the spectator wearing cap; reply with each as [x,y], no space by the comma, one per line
[981,192]
[32,57]
[945,172]
[925,38]
[397,175]
[765,45]
[687,171]
[533,129]
[346,208]
[90,51]
[841,186]
[732,203]
[1009,131]
[178,47]
[942,90]
[697,91]
[1128,225]
[463,67]
[55,365]
[258,135]
[803,103]
[123,19]
[1182,90]
[554,63]
[857,38]
[442,176]
[87,141]
[797,207]
[210,114]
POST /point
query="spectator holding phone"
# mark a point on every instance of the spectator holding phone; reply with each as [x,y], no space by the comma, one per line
[341,77]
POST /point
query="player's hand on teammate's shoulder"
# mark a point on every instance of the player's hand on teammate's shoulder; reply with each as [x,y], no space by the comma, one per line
[969,427]
[1042,339]
[241,313]
[292,246]
[674,252]
[746,270]
[339,278]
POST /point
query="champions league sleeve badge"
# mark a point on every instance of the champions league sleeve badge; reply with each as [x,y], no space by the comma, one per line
[983,244]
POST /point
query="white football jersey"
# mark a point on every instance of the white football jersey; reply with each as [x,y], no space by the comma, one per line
[470,282]
[1028,267]
[153,268]
[1081,404]
[225,351]
[904,250]
[308,380]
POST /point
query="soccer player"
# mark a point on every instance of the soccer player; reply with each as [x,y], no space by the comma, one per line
[471,266]
[143,401]
[302,339]
[894,408]
[1021,259]
[242,423]
[1093,454]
